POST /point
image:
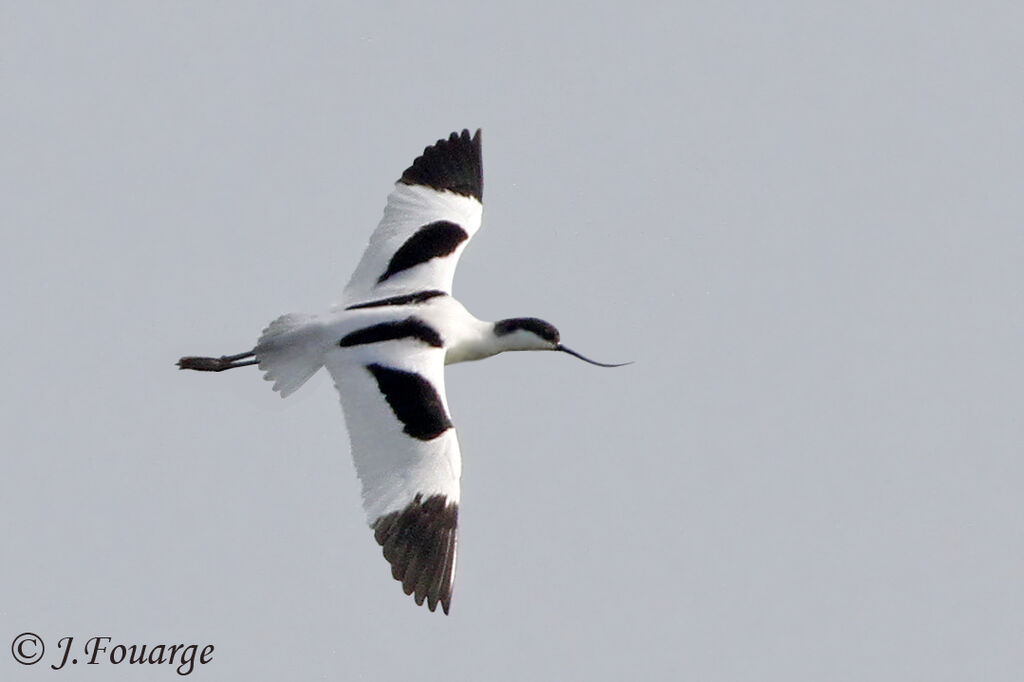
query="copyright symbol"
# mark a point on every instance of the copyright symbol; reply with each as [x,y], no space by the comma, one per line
[27,648]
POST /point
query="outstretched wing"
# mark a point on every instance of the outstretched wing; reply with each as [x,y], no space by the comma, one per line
[430,216]
[391,380]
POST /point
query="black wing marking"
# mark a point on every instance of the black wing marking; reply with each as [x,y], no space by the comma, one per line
[414,401]
[454,164]
[407,299]
[409,328]
[420,542]
[435,240]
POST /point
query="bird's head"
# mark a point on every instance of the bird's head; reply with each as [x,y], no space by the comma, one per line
[531,333]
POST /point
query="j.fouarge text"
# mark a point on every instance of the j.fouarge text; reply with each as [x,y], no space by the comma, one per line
[99,650]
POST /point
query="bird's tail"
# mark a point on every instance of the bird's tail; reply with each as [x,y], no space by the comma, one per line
[290,351]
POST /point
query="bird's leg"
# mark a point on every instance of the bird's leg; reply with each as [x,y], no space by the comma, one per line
[217,364]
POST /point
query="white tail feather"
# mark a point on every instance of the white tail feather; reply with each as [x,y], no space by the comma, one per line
[290,351]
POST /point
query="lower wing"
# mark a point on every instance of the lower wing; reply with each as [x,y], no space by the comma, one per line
[406,454]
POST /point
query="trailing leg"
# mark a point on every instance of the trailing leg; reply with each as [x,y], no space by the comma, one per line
[217,364]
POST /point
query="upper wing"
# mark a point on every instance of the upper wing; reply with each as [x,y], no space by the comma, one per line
[391,381]
[430,216]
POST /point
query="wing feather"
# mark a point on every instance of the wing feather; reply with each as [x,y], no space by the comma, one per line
[406,454]
[430,216]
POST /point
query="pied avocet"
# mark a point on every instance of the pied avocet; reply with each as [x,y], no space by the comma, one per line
[386,345]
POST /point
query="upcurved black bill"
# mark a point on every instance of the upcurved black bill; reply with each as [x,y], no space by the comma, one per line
[586,359]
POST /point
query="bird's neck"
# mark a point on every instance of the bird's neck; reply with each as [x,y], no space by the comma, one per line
[478,343]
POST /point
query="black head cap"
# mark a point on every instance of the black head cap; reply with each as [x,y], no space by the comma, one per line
[544,330]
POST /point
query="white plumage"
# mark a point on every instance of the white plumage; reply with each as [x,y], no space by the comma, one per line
[409,208]
[386,345]
[392,466]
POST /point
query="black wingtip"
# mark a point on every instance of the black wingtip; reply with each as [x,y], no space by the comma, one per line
[454,165]
[419,543]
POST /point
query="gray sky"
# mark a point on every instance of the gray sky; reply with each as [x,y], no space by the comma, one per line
[803,222]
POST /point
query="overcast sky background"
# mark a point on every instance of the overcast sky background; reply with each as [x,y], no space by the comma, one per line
[803,221]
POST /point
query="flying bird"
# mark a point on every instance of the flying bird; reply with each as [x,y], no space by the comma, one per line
[386,344]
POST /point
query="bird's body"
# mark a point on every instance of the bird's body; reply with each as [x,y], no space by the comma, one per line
[386,345]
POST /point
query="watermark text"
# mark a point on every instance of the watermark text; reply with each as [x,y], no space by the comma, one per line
[28,648]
